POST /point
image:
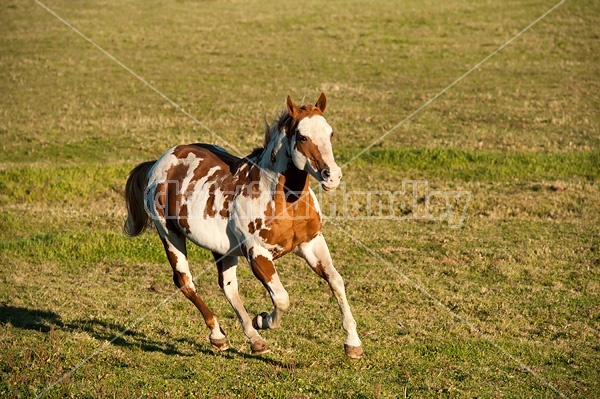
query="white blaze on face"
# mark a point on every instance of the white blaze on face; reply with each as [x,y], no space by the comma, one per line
[319,160]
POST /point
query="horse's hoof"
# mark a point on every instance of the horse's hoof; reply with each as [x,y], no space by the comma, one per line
[263,324]
[259,348]
[221,344]
[354,352]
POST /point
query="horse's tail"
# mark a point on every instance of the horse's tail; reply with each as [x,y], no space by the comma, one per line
[135,190]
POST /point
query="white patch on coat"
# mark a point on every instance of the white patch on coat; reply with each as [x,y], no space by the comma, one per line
[319,131]
[209,232]
[158,175]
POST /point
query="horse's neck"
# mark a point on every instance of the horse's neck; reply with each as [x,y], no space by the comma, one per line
[279,171]
[294,183]
[276,154]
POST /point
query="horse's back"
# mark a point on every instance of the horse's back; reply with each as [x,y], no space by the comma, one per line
[189,193]
[187,164]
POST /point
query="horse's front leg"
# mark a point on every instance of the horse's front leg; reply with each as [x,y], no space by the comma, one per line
[261,262]
[227,266]
[317,255]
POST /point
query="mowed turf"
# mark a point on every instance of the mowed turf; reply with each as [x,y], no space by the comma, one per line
[498,298]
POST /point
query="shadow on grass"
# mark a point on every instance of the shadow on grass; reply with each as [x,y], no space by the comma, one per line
[37,320]
[46,321]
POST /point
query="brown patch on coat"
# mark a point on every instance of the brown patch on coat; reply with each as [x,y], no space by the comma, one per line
[171,199]
[182,151]
[249,183]
[303,111]
[161,205]
[310,150]
[210,210]
[175,210]
[289,120]
[183,218]
[230,160]
[171,256]
[255,225]
[228,197]
[182,281]
[160,199]
[291,217]
[321,271]
[199,172]
[263,269]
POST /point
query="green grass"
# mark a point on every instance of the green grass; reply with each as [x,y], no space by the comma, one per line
[520,134]
[482,165]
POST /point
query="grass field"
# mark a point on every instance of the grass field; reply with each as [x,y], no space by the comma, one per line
[507,304]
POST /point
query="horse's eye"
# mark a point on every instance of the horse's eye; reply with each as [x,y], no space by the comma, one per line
[302,139]
[331,135]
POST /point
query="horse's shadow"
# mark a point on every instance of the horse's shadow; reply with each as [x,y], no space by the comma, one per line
[117,334]
[30,319]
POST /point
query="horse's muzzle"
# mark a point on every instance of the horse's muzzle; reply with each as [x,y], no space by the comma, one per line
[330,177]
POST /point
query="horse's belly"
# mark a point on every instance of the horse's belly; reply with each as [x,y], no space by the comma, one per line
[207,223]
[213,234]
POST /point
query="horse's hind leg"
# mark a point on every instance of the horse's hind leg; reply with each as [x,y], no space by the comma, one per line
[177,255]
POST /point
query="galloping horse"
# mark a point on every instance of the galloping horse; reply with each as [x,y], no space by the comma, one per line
[260,207]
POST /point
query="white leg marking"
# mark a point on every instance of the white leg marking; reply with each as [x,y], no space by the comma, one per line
[176,253]
[230,289]
[317,255]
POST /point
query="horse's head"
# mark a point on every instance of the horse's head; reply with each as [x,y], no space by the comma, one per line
[310,142]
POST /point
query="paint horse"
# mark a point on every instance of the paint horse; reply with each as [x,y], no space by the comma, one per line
[260,207]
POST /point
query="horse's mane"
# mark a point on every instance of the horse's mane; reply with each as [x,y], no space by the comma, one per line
[256,153]
[283,121]
[275,127]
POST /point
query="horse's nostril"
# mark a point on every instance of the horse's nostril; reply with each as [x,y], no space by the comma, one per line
[325,174]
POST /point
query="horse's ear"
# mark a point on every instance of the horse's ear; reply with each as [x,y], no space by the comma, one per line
[321,102]
[292,108]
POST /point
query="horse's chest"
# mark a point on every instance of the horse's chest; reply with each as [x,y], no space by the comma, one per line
[285,225]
